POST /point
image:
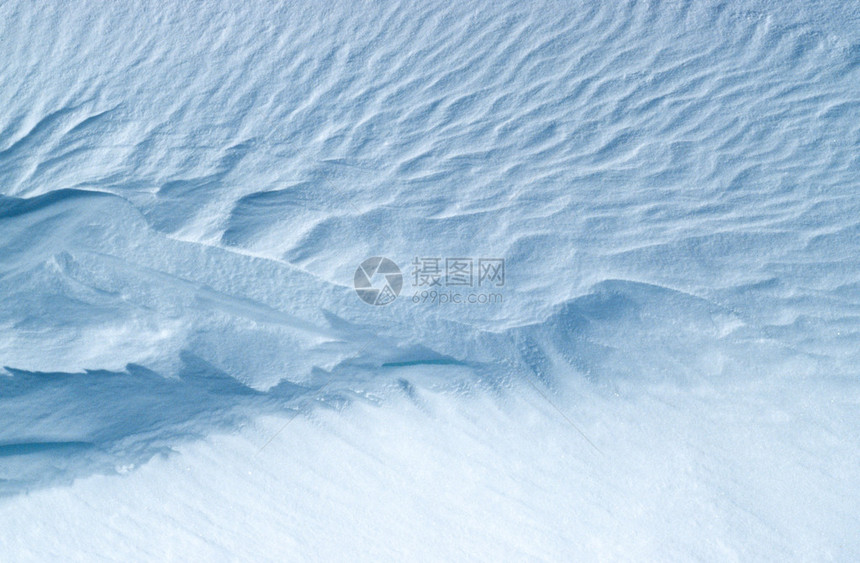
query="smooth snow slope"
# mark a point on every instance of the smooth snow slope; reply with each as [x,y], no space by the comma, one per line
[187,190]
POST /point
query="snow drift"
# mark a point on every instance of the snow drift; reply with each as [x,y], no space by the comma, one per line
[670,372]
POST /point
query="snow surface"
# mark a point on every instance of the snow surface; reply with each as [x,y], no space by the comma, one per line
[186,191]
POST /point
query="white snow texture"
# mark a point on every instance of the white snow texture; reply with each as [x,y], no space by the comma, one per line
[669,372]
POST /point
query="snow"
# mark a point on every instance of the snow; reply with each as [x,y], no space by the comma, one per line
[670,371]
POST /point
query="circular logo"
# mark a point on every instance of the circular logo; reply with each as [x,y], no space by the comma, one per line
[378,281]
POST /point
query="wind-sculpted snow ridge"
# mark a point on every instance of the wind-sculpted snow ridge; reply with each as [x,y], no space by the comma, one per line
[59,426]
[109,289]
[186,192]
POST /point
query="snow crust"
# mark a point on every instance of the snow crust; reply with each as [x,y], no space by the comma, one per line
[186,191]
